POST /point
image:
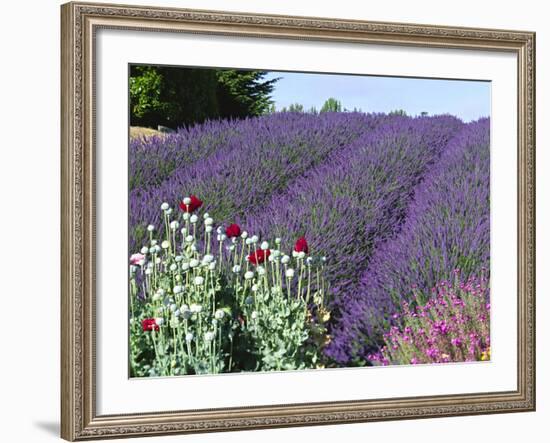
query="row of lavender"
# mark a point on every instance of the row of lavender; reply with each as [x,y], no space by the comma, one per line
[446,231]
[393,202]
[237,166]
[355,200]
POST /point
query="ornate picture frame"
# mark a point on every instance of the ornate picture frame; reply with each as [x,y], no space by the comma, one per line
[80,22]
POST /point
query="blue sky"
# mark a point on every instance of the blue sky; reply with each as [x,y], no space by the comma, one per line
[467,100]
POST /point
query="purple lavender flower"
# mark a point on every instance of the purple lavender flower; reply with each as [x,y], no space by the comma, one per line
[239,174]
[446,227]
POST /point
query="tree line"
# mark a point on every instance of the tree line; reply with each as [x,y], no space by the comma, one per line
[174,97]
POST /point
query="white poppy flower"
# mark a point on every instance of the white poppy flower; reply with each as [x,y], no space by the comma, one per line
[195,308]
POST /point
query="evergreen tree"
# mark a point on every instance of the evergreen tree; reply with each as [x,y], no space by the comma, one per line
[173,96]
[243,93]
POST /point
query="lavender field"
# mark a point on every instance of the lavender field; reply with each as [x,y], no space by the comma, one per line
[301,240]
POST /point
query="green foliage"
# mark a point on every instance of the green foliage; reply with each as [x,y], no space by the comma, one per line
[398,112]
[296,107]
[174,97]
[171,97]
[243,93]
[332,105]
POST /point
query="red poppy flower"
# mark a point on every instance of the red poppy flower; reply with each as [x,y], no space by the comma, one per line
[195,204]
[301,245]
[233,230]
[149,324]
[259,256]
[242,319]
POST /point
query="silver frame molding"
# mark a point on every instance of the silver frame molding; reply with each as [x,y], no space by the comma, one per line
[79,22]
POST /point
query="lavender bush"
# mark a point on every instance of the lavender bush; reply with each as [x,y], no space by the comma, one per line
[153,159]
[267,154]
[446,227]
[359,196]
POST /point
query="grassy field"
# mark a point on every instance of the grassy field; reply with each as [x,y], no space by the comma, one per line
[138,131]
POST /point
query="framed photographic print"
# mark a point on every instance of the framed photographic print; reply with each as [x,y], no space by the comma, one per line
[281,221]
